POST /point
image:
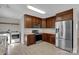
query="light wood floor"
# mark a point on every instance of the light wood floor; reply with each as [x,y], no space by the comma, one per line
[42,48]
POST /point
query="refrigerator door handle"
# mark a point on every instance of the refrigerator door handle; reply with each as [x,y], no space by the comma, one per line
[57,30]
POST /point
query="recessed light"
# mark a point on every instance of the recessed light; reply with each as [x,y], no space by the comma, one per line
[36,9]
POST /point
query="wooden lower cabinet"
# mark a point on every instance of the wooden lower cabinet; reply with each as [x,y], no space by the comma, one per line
[44,37]
[50,38]
[47,37]
[30,40]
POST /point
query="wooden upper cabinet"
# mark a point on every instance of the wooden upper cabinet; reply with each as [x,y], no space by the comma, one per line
[50,22]
[36,22]
[43,23]
[64,16]
[27,21]
[32,22]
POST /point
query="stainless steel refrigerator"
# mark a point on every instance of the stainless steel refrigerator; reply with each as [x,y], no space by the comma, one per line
[64,35]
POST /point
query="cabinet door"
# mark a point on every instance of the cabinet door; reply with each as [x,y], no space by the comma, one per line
[64,16]
[27,22]
[39,22]
[52,39]
[50,22]
[36,22]
[32,22]
[30,39]
[43,23]
[44,37]
[53,22]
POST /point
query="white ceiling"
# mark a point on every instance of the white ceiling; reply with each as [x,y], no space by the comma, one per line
[17,11]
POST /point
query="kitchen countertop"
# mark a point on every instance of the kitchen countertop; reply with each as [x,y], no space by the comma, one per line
[29,34]
[39,33]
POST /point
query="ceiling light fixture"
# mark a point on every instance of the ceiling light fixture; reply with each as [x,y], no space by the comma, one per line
[35,9]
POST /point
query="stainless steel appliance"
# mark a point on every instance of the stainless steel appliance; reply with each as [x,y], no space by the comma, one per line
[64,35]
[38,36]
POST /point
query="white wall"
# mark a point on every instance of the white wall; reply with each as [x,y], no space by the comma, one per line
[5,27]
[9,20]
[78,36]
[75,31]
[22,29]
[77,14]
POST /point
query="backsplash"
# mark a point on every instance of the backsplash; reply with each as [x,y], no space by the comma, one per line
[49,30]
[29,30]
[41,30]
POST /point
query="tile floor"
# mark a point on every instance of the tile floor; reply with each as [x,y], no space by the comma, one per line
[42,48]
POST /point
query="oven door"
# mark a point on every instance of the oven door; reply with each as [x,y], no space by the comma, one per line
[15,38]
